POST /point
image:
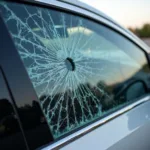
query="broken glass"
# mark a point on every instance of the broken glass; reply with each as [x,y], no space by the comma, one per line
[72,68]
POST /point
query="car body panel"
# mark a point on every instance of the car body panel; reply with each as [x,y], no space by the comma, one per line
[126,132]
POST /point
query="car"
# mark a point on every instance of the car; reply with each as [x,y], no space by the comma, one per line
[71,78]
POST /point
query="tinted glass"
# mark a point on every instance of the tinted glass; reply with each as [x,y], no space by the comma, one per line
[10,134]
[77,67]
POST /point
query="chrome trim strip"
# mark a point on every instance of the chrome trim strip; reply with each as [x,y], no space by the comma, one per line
[95,125]
[98,18]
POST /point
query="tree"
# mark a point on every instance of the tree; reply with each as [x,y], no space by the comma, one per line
[143,32]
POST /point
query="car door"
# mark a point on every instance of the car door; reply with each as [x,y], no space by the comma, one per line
[89,77]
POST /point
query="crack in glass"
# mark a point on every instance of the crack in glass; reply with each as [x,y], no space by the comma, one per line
[58,59]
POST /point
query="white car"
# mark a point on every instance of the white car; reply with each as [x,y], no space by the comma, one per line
[71,78]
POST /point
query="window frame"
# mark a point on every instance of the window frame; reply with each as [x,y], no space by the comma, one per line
[83,12]
[15,76]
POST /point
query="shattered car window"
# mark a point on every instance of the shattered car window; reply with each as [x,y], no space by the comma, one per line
[74,64]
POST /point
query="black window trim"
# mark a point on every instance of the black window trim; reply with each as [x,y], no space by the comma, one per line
[14,105]
[5,46]
[3,29]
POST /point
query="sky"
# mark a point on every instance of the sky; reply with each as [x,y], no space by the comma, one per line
[129,13]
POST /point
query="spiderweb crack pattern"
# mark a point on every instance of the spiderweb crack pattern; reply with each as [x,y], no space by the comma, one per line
[67,98]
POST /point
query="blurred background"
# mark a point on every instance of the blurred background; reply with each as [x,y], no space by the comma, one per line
[132,14]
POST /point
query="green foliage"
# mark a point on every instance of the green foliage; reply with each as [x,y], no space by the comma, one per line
[143,32]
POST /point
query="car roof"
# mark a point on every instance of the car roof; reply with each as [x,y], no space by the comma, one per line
[85,6]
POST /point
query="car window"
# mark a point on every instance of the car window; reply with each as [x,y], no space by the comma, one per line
[11,136]
[80,69]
